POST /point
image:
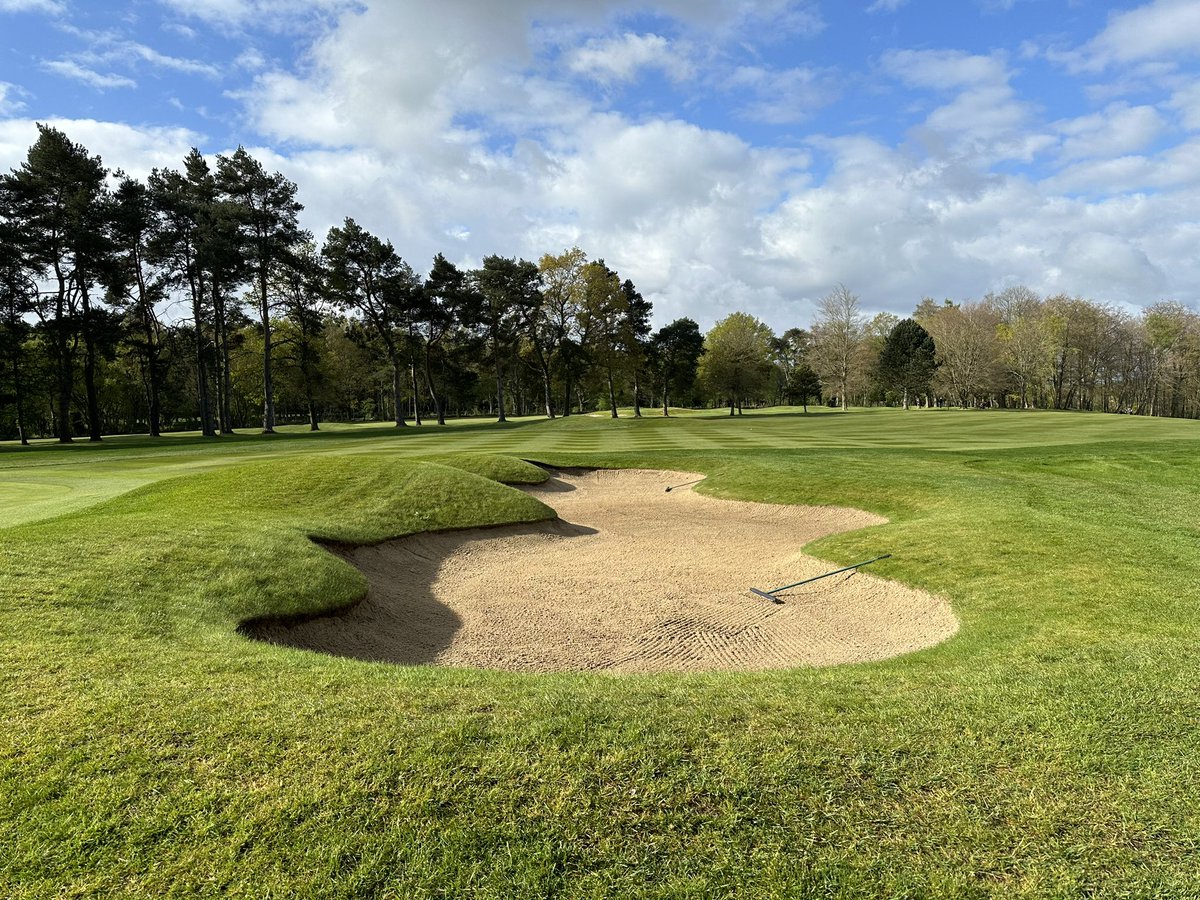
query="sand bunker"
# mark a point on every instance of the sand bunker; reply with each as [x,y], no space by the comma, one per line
[629,579]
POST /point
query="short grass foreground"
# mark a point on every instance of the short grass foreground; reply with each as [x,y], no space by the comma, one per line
[1051,748]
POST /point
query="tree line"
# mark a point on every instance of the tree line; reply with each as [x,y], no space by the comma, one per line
[193,299]
[1012,349]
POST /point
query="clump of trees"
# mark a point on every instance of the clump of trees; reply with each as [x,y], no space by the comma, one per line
[1012,349]
[194,300]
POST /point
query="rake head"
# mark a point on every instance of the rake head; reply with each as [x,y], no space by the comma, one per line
[766,595]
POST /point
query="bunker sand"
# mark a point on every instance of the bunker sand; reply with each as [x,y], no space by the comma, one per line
[630,578]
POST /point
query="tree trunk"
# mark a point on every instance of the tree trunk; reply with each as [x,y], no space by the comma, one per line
[89,366]
[220,369]
[499,388]
[22,435]
[153,381]
[63,363]
[612,394]
[397,406]
[439,404]
[637,402]
[153,403]
[64,379]
[307,375]
[906,398]
[268,382]
[416,391]
[153,362]
[546,389]
[313,424]
[226,379]
[206,427]
[196,282]
[225,385]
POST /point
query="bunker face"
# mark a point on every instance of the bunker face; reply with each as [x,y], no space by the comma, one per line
[630,579]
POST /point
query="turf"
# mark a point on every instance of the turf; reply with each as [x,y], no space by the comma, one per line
[1050,749]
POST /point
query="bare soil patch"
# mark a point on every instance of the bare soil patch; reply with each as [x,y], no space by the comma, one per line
[630,578]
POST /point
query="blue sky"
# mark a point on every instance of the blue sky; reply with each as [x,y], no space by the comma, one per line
[722,153]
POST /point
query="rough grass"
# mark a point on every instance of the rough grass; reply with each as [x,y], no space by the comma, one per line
[1049,749]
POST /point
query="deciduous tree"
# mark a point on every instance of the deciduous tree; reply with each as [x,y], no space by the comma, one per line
[604,315]
[837,338]
[551,328]
[737,359]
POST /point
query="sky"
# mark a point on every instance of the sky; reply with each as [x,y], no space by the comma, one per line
[723,154]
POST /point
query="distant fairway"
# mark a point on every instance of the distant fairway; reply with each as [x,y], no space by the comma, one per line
[1050,748]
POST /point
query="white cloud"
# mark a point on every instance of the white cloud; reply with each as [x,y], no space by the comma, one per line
[463,128]
[9,104]
[1186,101]
[251,59]
[619,59]
[1174,168]
[136,150]
[131,50]
[1118,130]
[985,119]
[1163,28]
[275,15]
[184,31]
[110,48]
[478,143]
[886,5]
[895,230]
[70,69]
[54,7]
[782,96]
[944,70]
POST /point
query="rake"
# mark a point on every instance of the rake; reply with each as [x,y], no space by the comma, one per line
[685,484]
[770,595]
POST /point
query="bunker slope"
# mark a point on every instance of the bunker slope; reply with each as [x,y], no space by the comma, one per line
[630,578]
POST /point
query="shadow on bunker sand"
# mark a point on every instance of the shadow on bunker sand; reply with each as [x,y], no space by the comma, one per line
[399,621]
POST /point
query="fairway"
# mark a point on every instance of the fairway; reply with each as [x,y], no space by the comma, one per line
[1048,748]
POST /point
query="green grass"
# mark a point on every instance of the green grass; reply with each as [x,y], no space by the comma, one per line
[1052,748]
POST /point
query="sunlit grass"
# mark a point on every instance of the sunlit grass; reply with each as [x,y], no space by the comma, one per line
[1049,749]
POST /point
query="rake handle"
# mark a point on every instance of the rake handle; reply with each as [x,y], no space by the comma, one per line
[788,587]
